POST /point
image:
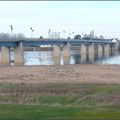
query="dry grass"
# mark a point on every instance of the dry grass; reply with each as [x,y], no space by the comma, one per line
[61,94]
[108,74]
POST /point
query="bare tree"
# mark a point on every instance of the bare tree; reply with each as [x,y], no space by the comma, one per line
[77,36]
[6,36]
[20,35]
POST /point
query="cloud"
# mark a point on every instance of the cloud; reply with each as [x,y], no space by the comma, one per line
[59,15]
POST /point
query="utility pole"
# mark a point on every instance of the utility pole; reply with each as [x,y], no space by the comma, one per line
[11,28]
[32,32]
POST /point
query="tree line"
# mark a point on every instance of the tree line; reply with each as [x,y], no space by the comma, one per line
[13,36]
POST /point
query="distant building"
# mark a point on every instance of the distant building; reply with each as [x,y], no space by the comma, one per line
[54,35]
[101,37]
[89,36]
[115,40]
[92,34]
[86,37]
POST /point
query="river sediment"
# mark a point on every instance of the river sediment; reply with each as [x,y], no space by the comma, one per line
[99,74]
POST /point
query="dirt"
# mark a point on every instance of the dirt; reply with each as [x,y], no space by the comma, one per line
[108,74]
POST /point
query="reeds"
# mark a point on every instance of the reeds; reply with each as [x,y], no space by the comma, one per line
[60,94]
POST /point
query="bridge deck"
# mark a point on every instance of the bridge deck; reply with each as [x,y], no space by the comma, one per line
[37,42]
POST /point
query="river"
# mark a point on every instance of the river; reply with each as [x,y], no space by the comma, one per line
[46,58]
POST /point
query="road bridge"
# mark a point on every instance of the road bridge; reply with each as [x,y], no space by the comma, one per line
[104,47]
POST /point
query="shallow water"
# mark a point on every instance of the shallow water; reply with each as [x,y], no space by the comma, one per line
[46,58]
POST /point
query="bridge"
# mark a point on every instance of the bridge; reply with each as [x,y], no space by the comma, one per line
[37,42]
[104,47]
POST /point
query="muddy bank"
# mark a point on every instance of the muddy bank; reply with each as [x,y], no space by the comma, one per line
[61,74]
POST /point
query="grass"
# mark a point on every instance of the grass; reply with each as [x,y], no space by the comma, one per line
[59,101]
[20,112]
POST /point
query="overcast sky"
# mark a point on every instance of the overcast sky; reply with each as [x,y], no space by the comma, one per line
[71,16]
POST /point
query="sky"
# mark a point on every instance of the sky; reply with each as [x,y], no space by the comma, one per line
[71,16]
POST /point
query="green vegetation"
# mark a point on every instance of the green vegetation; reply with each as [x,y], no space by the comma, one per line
[20,112]
[59,101]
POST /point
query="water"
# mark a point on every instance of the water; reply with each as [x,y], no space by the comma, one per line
[46,58]
[38,58]
[115,59]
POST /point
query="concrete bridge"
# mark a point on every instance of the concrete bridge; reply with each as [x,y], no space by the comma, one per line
[103,47]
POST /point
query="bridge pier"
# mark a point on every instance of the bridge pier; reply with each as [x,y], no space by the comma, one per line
[18,54]
[110,52]
[83,53]
[91,53]
[5,56]
[19,57]
[115,47]
[100,51]
[56,55]
[106,50]
[66,54]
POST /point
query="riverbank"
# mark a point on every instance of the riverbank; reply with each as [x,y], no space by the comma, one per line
[108,74]
[59,101]
[70,92]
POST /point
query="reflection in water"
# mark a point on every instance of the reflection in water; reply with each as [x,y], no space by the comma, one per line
[46,58]
[75,57]
[113,59]
[38,58]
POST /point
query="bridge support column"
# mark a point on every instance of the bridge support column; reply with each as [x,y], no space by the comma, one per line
[110,52]
[100,51]
[83,54]
[18,54]
[56,55]
[5,56]
[115,47]
[106,50]
[91,53]
[66,54]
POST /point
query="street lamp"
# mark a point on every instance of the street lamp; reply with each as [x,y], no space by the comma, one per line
[11,28]
[32,31]
[64,34]
[49,32]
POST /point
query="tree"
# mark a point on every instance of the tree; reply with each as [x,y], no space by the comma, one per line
[20,35]
[12,36]
[68,38]
[77,37]
[41,37]
[4,35]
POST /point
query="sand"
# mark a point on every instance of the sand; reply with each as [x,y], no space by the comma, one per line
[108,74]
